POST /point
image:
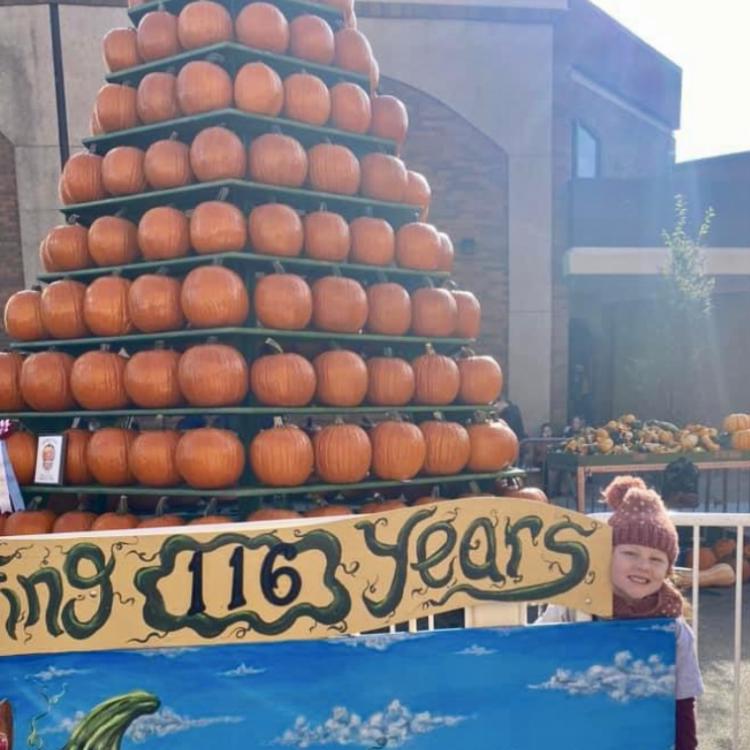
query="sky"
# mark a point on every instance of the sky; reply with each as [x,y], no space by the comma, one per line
[708,40]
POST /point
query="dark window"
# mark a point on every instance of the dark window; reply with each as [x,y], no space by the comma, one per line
[585,152]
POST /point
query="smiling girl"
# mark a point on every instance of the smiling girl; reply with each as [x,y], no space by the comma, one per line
[645,549]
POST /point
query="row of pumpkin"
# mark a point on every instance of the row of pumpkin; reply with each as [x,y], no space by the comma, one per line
[217,375]
[215,296]
[283,455]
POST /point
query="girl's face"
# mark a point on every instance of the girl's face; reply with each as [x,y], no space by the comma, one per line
[638,571]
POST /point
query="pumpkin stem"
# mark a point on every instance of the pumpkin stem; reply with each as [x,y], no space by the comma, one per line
[467,351]
[35,503]
[435,491]
[278,422]
[274,345]
[122,505]
[429,349]
[72,219]
[388,351]
[429,282]
[438,416]
[161,506]
[450,284]
[336,271]
[211,507]
[381,277]
[278,267]
[173,136]
[223,194]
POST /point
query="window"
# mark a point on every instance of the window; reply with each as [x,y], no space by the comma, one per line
[585,152]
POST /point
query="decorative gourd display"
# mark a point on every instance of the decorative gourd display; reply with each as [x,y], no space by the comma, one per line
[45,381]
[262,26]
[276,229]
[151,458]
[434,312]
[217,154]
[447,253]
[311,38]
[418,246]
[105,306]
[341,378]
[282,456]
[326,236]
[156,36]
[118,520]
[390,381]
[388,309]
[389,118]
[469,314]
[448,447]
[21,447]
[163,233]
[203,86]
[113,241]
[258,89]
[352,51]
[203,22]
[418,192]
[736,422]
[62,309]
[10,382]
[161,519]
[283,301]
[209,458]
[29,523]
[277,160]
[115,107]
[154,303]
[167,165]
[494,446]
[213,375]
[334,169]
[214,297]
[156,98]
[350,107]
[217,227]
[66,248]
[107,456]
[76,470]
[151,379]
[384,177]
[339,304]
[97,380]
[307,99]
[437,379]
[343,453]
[122,171]
[81,179]
[120,49]
[282,379]
[481,379]
[23,316]
[398,450]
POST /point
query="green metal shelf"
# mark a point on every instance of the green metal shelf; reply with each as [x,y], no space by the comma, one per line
[243,124]
[232,56]
[244,194]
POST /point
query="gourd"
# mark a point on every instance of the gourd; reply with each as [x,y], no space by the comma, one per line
[76,470]
[66,248]
[23,316]
[11,398]
[217,153]
[120,49]
[282,456]
[341,378]
[163,233]
[481,379]
[388,309]
[307,99]
[418,246]
[214,297]
[105,306]
[209,458]
[276,229]
[384,177]
[373,241]
[156,98]
[161,519]
[448,447]
[202,22]
[262,26]
[217,227]
[390,381]
[343,453]
[350,108]
[154,303]
[107,456]
[389,118]
[418,193]
[21,447]
[61,308]
[113,241]
[334,169]
[469,314]
[203,86]
[156,36]
[115,107]
[122,171]
[150,379]
[45,381]
[437,378]
[213,375]
[81,179]
[352,51]
[167,165]
[339,304]
[326,236]
[283,301]
[119,520]
[151,458]
[282,379]
[277,159]
[736,422]
[311,38]
[434,312]
[97,381]
[30,522]
[258,89]
[398,450]
[494,446]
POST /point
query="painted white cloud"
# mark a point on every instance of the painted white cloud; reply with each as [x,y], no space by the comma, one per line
[624,680]
[377,641]
[53,673]
[389,728]
[476,650]
[66,725]
[166,653]
[242,671]
[166,722]
[664,627]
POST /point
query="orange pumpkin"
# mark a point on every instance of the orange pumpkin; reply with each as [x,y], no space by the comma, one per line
[390,381]
[350,108]
[23,316]
[105,306]
[326,236]
[115,107]
[388,309]
[156,98]
[339,304]
[94,127]
[10,382]
[120,49]
[262,26]
[217,227]
[62,309]
[481,380]
[418,246]
[203,86]
[74,521]
[213,375]
[151,379]
[277,159]
[21,447]
[437,378]
[76,470]
[352,51]
[448,447]
[389,118]
[154,303]
[151,458]
[494,446]
[328,510]
[282,456]
[156,36]
[276,229]
[381,505]
[341,378]
[343,453]
[45,381]
[311,38]
[107,456]
[282,379]
[81,179]
[113,241]
[384,177]
[208,458]
[217,154]
[307,99]
[272,514]
[29,523]
[434,312]
[163,232]
[119,520]
[736,422]
[418,193]
[526,493]
[167,165]
[66,248]
[161,519]
[258,89]
[469,314]
[398,450]
[202,23]
[447,253]
[283,301]
[210,516]
[213,297]
[97,381]
[334,169]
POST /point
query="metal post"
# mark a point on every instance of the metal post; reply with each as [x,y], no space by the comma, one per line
[59,73]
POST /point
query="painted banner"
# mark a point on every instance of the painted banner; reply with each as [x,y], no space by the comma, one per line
[292,580]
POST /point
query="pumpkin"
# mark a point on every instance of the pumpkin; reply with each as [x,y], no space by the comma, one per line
[352,51]
[526,493]
[107,456]
[119,520]
[381,505]
[66,248]
[418,246]
[262,26]
[431,499]
[283,301]
[325,510]
[154,303]
[94,127]
[282,456]
[23,316]
[81,179]
[202,23]
[163,233]
[448,447]
[97,381]
[333,169]
[307,99]
[388,309]
[113,241]
[282,379]
[161,519]
[741,440]
[436,378]
[217,154]
[105,306]
[434,312]
[481,380]
[45,381]
[167,165]
[469,315]
[724,547]
[276,229]
[74,521]
[398,450]
[272,514]
[389,118]
[258,89]
[418,193]
[21,447]
[156,98]
[339,304]
[390,381]
[151,458]
[120,49]
[735,422]
[213,375]
[277,159]
[10,382]
[217,227]
[350,108]
[494,446]
[29,523]
[343,453]
[326,236]
[210,516]
[203,87]
[383,177]
[341,378]
[706,558]
[62,309]
[115,107]
[208,458]
[447,254]
[311,38]
[156,36]
[213,297]
[76,470]
[150,379]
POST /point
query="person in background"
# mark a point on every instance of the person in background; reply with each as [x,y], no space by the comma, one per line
[511,414]
[575,426]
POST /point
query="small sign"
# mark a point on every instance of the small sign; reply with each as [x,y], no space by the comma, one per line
[50,451]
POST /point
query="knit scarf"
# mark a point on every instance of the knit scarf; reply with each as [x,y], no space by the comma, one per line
[666,602]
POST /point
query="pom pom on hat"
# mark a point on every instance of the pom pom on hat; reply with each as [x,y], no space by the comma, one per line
[616,490]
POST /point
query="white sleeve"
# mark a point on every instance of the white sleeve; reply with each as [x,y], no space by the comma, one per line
[554,613]
[688,680]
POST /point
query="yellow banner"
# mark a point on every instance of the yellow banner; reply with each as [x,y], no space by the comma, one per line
[247,582]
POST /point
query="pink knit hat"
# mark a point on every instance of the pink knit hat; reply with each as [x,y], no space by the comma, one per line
[640,517]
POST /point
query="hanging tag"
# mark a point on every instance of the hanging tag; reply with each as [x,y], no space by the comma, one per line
[11,498]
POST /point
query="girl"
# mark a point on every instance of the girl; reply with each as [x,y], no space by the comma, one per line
[645,549]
